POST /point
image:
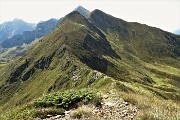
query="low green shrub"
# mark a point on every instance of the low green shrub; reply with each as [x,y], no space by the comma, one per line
[67,99]
[53,104]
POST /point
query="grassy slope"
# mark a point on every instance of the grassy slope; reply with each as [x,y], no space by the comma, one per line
[151,58]
[164,77]
[59,63]
[12,53]
[52,66]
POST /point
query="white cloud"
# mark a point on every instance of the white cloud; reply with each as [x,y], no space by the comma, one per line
[164,14]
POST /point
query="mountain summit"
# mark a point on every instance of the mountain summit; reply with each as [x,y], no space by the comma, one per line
[82,10]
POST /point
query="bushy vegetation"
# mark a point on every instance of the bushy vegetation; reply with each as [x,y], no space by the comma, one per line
[66,99]
[53,104]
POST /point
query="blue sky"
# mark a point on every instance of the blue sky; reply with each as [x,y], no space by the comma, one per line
[164,14]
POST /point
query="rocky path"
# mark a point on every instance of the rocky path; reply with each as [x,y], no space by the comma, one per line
[117,109]
[110,110]
[113,108]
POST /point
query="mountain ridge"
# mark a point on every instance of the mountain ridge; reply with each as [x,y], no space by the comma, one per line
[99,52]
[125,29]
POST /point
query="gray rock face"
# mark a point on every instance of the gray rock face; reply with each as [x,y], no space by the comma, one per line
[82,11]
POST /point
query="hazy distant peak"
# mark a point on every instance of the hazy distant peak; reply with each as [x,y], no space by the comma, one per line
[80,7]
[17,19]
[82,11]
[51,19]
[177,32]
[14,27]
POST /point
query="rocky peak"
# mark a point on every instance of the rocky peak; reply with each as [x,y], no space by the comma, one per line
[82,11]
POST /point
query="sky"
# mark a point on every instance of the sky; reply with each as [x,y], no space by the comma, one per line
[164,14]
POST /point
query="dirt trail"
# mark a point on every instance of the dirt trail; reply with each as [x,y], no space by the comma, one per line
[113,108]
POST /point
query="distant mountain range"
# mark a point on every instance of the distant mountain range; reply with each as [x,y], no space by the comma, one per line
[27,37]
[11,28]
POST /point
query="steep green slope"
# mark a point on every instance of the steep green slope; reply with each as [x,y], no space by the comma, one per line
[150,55]
[12,53]
[54,63]
[102,52]
[147,43]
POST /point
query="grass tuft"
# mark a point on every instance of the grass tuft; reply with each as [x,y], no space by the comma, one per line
[81,112]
